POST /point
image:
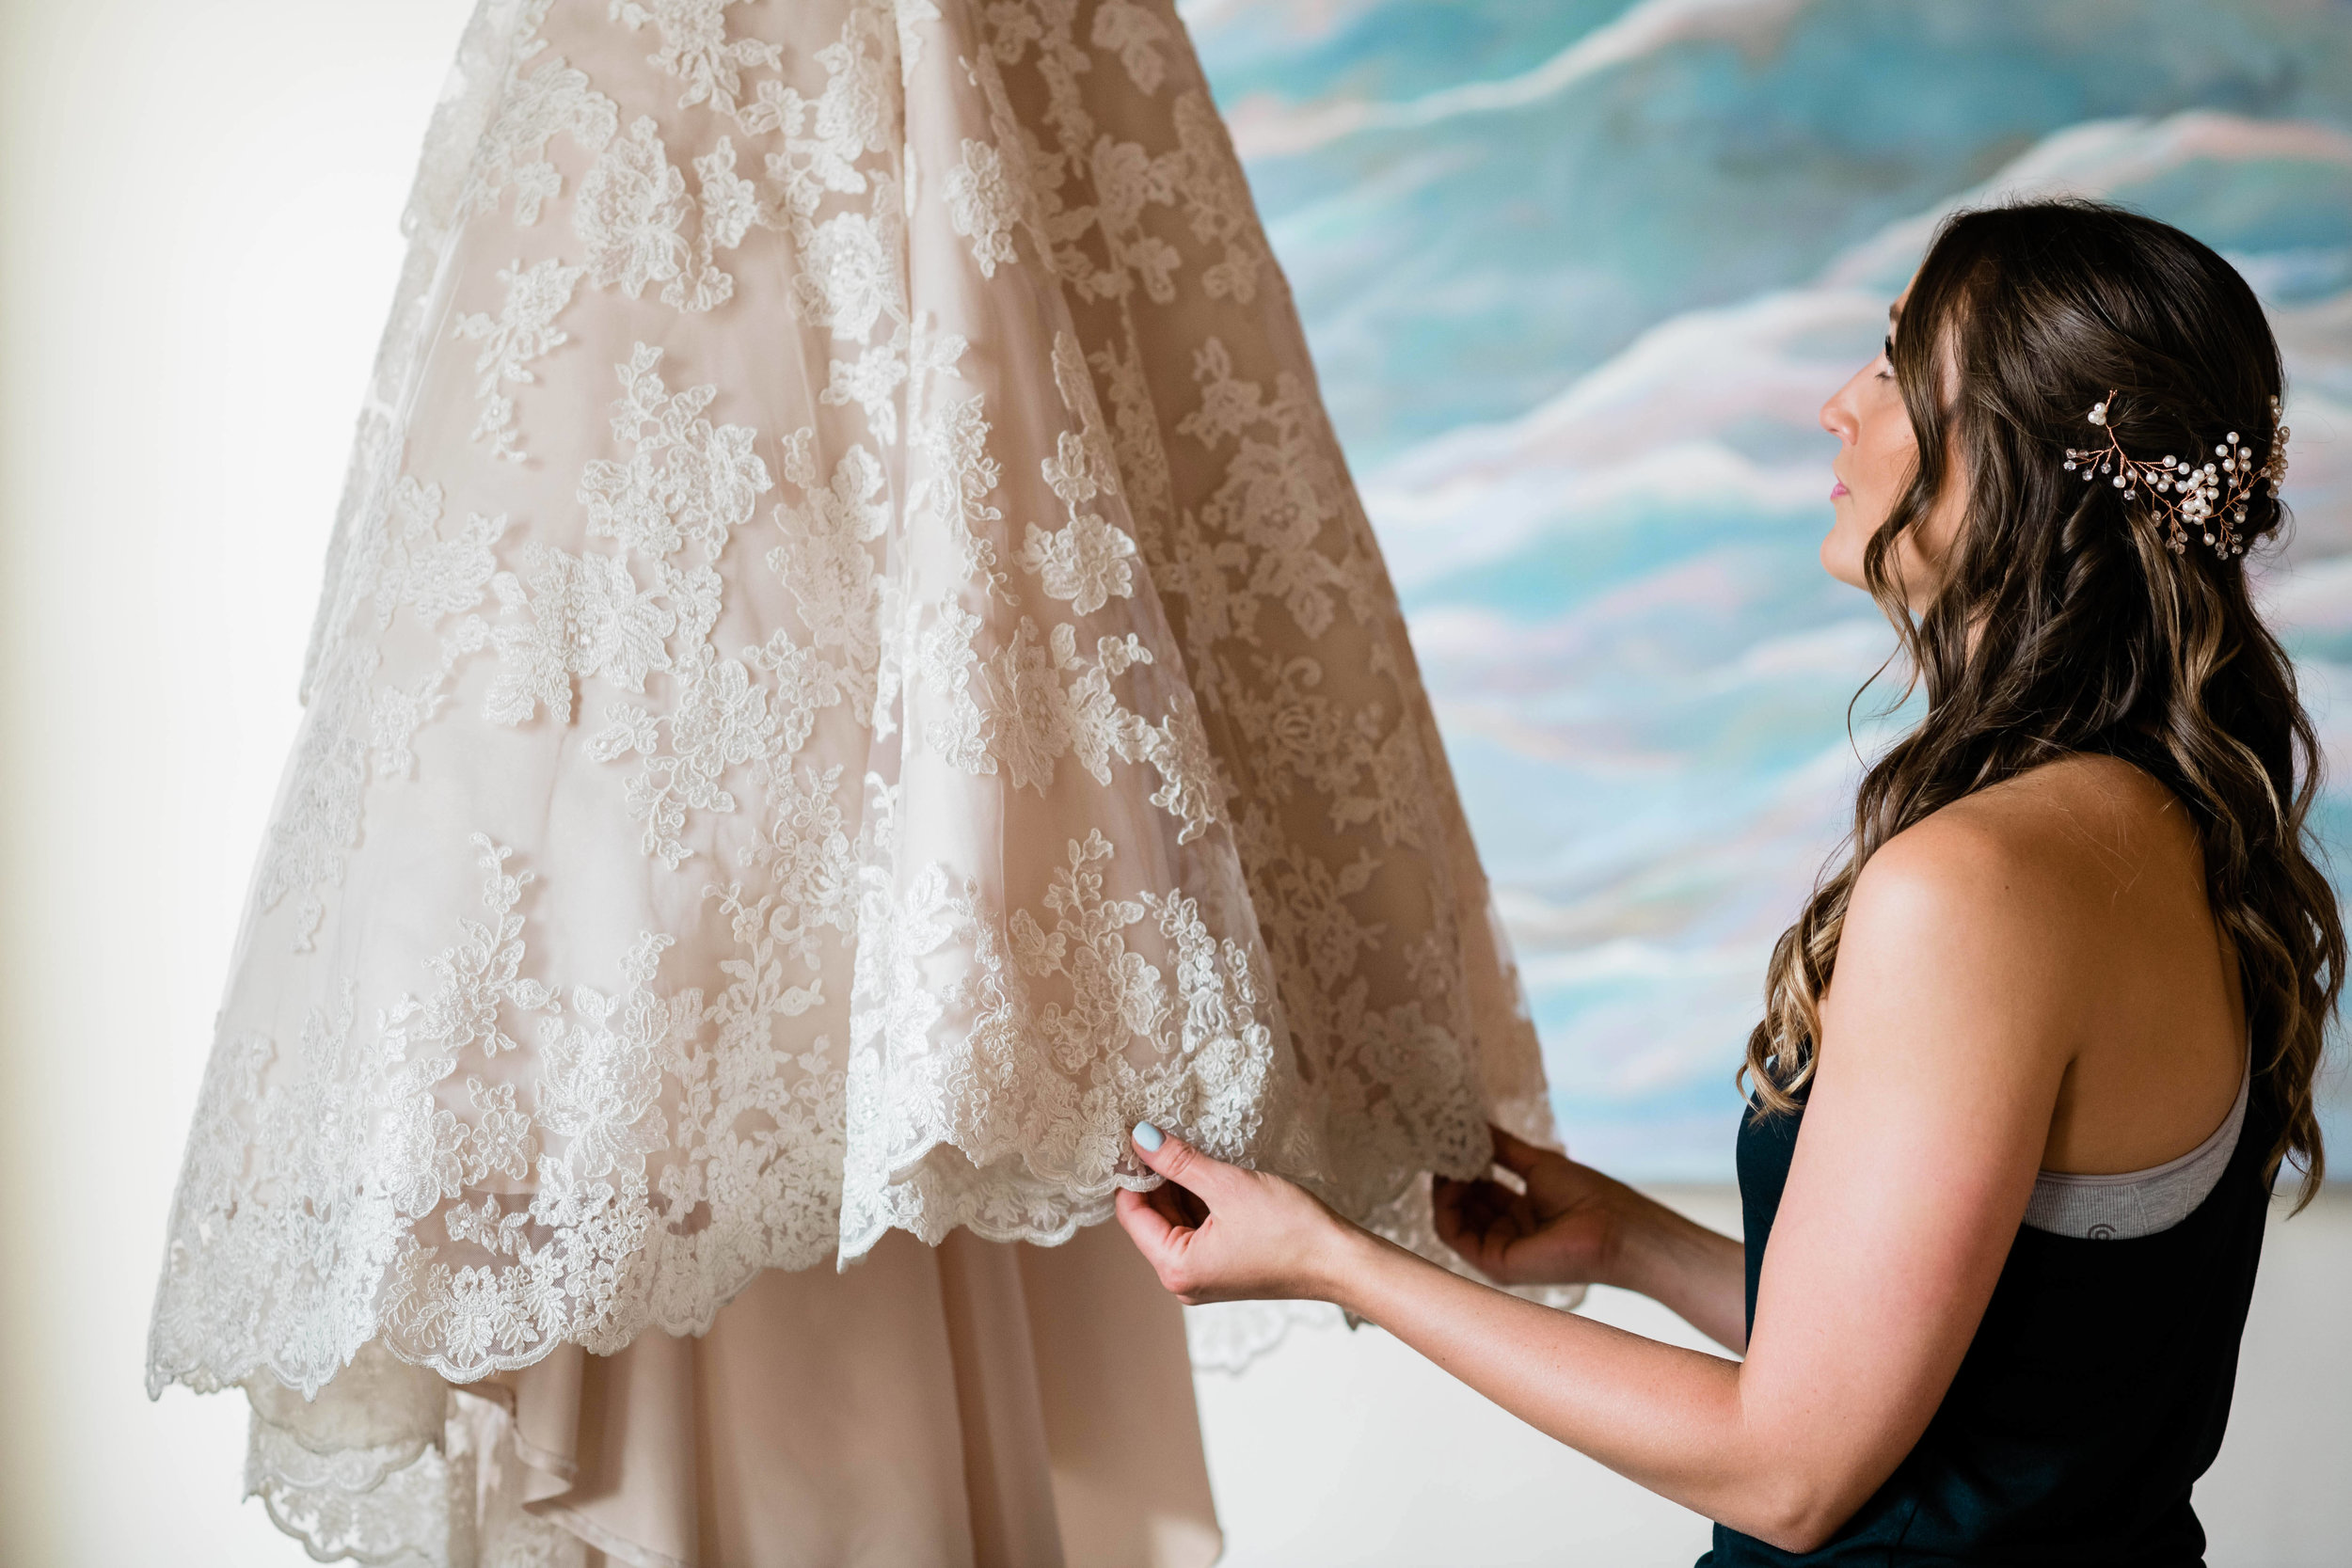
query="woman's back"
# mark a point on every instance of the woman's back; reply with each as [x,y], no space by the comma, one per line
[2096,1386]
[2108,868]
[2094,1394]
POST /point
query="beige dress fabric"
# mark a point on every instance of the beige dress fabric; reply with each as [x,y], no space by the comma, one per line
[850,672]
[978,1405]
[985,1404]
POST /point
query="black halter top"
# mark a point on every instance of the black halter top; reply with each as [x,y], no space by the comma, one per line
[2092,1397]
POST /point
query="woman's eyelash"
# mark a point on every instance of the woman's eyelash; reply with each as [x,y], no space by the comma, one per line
[1887,353]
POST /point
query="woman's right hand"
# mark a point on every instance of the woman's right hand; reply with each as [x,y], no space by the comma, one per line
[1567,1228]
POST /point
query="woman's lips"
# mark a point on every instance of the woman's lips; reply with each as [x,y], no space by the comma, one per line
[1837,490]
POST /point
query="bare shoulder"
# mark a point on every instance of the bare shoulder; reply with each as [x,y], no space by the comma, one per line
[2079,831]
[2004,901]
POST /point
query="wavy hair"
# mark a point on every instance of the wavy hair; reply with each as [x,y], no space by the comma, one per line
[2090,636]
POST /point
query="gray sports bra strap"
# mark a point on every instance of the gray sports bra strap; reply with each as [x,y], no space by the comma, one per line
[2138,1202]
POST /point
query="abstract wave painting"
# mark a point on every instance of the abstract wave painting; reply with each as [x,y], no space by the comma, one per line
[1577,275]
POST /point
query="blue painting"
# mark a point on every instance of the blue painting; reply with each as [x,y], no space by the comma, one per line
[1577,275]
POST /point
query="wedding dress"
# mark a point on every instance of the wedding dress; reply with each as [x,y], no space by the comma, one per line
[850,672]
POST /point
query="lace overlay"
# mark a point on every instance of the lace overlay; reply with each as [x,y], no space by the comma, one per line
[849,672]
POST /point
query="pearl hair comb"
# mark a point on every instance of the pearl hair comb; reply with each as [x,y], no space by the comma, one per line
[2210,497]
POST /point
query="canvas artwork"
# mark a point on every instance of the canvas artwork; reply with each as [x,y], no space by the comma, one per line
[1577,275]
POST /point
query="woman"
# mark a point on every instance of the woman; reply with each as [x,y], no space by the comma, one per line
[2005,1179]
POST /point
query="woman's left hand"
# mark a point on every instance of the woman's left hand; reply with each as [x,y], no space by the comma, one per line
[1217,1232]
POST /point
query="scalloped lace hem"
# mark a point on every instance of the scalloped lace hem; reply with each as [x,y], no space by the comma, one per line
[933,1193]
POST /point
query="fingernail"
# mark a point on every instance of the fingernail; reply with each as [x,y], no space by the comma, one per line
[1148,1136]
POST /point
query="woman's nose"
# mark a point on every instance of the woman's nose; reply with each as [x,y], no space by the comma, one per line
[1837,417]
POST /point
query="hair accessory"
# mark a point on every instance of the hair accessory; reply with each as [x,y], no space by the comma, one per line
[2210,497]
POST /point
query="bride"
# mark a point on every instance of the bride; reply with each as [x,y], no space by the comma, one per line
[2032,1055]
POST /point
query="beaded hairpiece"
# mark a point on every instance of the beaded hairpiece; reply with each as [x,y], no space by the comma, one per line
[2210,497]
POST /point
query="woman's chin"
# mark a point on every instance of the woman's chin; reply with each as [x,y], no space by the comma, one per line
[1841,561]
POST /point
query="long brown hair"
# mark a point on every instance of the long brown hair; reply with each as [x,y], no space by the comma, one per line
[2092,635]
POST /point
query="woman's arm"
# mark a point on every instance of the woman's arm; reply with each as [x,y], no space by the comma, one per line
[1567,1224]
[1924,1125]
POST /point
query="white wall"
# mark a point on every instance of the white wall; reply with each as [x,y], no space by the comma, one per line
[197,244]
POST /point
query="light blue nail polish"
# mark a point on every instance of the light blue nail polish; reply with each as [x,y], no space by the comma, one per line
[1148,1136]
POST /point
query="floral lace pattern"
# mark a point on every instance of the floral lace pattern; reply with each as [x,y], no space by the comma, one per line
[850,672]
